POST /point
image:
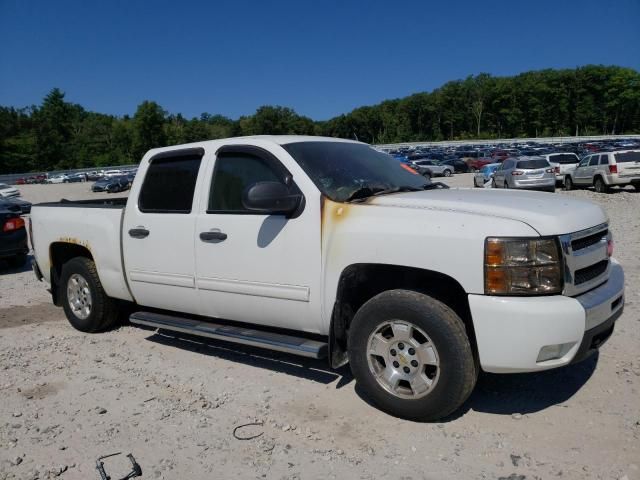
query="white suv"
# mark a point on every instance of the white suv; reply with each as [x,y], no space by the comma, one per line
[604,170]
[563,163]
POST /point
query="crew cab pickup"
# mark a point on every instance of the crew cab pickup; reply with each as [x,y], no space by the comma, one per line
[304,245]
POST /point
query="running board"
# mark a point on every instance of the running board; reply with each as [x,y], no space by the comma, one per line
[245,336]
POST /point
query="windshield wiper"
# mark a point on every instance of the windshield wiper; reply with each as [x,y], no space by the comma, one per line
[365,192]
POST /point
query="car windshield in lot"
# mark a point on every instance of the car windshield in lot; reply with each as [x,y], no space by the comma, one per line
[565,158]
[532,164]
[627,157]
[341,169]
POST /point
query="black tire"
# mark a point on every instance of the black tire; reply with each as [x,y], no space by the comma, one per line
[568,183]
[600,186]
[447,172]
[17,261]
[637,187]
[506,185]
[456,369]
[493,183]
[103,310]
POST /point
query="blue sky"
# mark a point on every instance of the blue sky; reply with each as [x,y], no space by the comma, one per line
[320,58]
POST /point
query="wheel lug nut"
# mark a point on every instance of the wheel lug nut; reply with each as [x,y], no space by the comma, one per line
[396,364]
[401,346]
[393,352]
[414,363]
[406,369]
[412,351]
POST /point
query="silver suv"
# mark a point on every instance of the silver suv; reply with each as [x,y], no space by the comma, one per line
[604,170]
[432,169]
[530,173]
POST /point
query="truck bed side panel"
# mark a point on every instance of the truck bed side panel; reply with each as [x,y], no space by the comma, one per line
[95,228]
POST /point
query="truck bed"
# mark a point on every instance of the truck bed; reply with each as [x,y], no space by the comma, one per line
[92,225]
[118,202]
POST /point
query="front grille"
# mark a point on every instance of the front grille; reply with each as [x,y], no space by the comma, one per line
[585,242]
[589,273]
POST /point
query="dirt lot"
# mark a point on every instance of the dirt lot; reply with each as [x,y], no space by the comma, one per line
[68,397]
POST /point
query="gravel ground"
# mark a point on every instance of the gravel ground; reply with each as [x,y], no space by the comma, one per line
[68,397]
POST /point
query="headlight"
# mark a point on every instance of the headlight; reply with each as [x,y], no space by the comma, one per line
[522,266]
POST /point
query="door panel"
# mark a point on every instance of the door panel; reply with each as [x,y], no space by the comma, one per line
[267,269]
[158,234]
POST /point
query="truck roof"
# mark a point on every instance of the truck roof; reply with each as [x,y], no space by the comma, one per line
[276,139]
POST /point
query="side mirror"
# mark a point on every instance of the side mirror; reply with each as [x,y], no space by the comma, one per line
[271,198]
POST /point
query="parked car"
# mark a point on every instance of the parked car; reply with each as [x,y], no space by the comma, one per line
[432,168]
[13,235]
[475,164]
[111,184]
[529,173]
[60,178]
[93,176]
[8,191]
[76,177]
[485,174]
[112,173]
[25,207]
[213,229]
[563,163]
[459,166]
[605,170]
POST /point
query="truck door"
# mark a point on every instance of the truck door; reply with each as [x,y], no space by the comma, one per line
[256,267]
[158,232]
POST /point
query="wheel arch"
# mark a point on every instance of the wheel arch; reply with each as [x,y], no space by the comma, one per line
[360,282]
[59,254]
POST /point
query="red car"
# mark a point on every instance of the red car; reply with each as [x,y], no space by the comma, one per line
[475,164]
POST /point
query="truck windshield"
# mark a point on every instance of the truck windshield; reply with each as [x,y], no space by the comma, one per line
[340,169]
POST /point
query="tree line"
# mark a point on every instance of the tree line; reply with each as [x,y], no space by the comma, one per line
[589,100]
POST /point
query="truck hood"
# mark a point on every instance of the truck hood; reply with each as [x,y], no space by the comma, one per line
[547,213]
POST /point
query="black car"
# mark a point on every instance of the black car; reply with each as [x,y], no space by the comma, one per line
[459,166]
[13,235]
[25,207]
[111,184]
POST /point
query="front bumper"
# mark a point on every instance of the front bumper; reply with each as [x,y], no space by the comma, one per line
[511,331]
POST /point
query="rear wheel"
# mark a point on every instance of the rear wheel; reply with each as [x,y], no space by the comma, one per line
[637,187]
[493,183]
[506,185]
[568,183]
[447,173]
[600,186]
[85,303]
[411,355]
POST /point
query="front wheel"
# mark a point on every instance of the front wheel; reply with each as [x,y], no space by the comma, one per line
[85,303]
[447,173]
[411,355]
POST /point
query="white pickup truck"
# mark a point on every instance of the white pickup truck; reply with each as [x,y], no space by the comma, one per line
[307,245]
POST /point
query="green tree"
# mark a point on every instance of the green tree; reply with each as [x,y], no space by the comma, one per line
[148,128]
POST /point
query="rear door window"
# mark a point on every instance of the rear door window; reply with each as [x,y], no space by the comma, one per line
[169,185]
[594,160]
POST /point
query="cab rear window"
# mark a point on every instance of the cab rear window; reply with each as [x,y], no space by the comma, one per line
[564,158]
